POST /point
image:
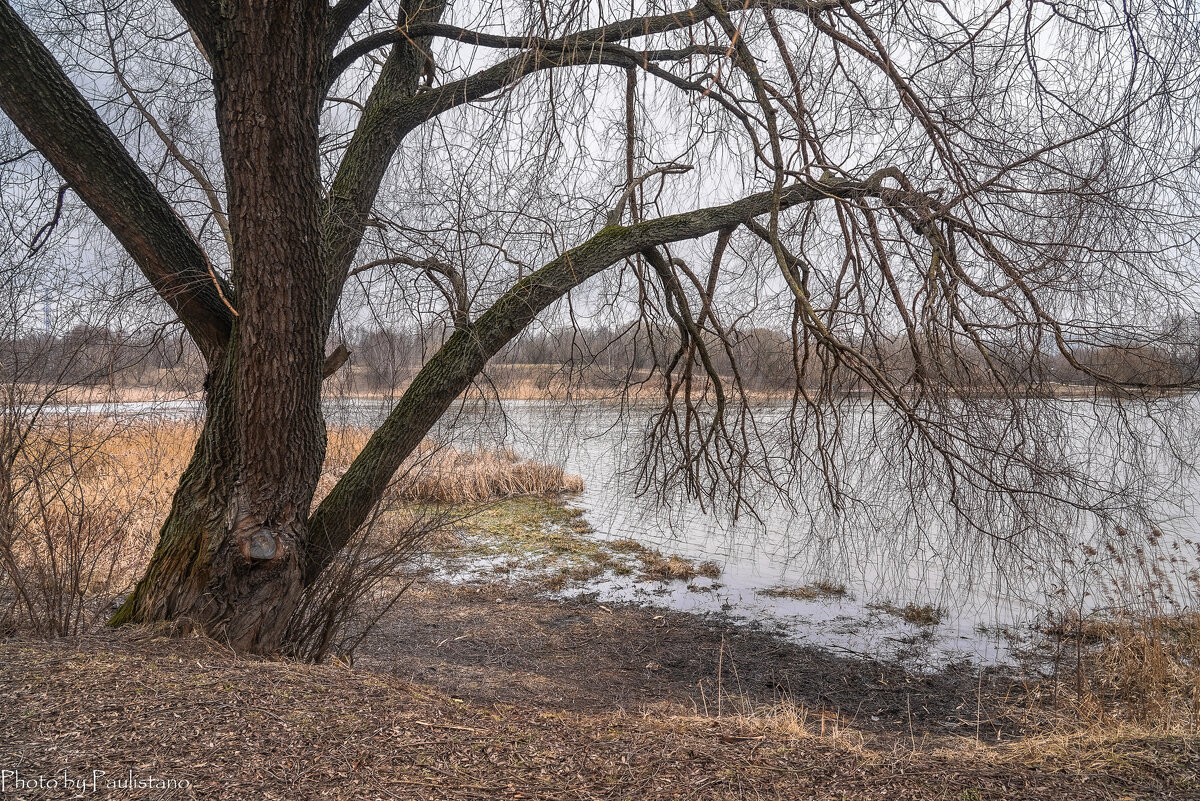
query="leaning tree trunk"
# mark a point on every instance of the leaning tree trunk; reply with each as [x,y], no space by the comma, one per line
[231,552]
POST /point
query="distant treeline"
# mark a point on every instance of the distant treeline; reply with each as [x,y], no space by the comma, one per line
[89,355]
[763,359]
[767,360]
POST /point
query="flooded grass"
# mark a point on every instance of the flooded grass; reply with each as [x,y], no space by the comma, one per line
[553,543]
[808,592]
[924,615]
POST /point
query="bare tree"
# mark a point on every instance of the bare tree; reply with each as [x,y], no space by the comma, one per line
[988,183]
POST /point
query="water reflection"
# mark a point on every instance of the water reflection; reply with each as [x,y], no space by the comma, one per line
[887,555]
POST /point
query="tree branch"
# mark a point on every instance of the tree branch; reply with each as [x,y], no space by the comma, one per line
[455,365]
[618,210]
[47,108]
[390,116]
[395,108]
[587,39]
[201,17]
[342,61]
[335,360]
[342,16]
[206,186]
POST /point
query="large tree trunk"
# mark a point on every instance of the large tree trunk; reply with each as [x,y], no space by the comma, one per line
[197,573]
[240,540]
[231,552]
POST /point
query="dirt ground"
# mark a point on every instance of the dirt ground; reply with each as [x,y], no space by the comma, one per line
[493,692]
[502,643]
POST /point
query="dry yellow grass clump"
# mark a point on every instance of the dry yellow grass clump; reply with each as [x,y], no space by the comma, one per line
[84,495]
[1130,667]
[447,475]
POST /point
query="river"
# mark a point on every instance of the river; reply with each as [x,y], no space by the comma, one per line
[986,589]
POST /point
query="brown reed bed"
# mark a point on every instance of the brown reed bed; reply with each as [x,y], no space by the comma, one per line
[85,494]
[1124,667]
[450,476]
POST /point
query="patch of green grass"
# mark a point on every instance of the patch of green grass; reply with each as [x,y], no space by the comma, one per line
[531,525]
[546,534]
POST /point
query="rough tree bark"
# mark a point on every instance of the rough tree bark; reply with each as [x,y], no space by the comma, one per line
[234,543]
[241,539]
[232,549]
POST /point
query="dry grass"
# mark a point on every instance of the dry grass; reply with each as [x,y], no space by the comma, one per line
[445,475]
[87,494]
[237,728]
[657,566]
[160,450]
[449,476]
[278,729]
[924,615]
[626,545]
[130,465]
[808,592]
[80,506]
[1124,667]
[783,717]
[158,386]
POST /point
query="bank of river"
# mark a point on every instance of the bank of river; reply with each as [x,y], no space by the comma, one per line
[892,583]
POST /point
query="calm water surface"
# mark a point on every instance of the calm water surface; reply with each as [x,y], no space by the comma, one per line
[983,587]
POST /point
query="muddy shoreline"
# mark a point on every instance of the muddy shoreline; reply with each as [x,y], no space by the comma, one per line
[509,643]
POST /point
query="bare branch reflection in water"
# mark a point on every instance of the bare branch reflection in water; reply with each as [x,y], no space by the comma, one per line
[905,530]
